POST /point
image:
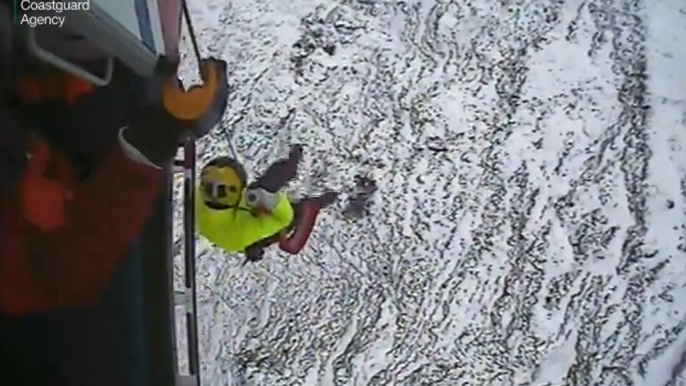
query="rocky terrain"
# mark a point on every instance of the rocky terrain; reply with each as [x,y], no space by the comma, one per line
[514,179]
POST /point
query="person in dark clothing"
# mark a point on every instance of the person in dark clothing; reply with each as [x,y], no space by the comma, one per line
[63,232]
[78,177]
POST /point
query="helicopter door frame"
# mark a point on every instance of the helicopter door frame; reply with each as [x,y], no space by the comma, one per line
[129,30]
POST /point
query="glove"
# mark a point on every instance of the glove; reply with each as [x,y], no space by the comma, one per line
[254,255]
[261,200]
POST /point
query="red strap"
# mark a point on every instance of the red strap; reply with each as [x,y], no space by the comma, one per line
[303,229]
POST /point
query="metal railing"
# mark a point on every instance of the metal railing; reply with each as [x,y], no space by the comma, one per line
[186,298]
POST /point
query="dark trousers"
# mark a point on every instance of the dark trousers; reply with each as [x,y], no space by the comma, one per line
[94,345]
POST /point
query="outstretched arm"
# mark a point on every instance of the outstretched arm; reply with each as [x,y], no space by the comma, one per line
[72,264]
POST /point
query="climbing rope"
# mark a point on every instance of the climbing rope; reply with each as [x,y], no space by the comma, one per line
[198,57]
[192,104]
[191,33]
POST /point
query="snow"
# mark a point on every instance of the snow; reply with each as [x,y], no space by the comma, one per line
[529,224]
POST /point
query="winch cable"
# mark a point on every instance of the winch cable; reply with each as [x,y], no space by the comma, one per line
[189,225]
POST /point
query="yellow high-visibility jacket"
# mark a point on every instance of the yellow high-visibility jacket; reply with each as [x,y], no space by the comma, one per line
[237,228]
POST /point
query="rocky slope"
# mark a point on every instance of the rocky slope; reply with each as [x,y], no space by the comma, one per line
[527,225]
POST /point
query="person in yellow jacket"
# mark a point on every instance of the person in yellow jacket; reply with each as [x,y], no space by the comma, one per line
[243,218]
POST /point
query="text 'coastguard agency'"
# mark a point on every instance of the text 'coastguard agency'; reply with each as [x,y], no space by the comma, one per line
[36,13]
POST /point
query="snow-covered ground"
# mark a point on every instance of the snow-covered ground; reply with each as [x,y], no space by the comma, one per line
[529,224]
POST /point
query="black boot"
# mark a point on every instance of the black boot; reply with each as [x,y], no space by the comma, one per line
[280,172]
